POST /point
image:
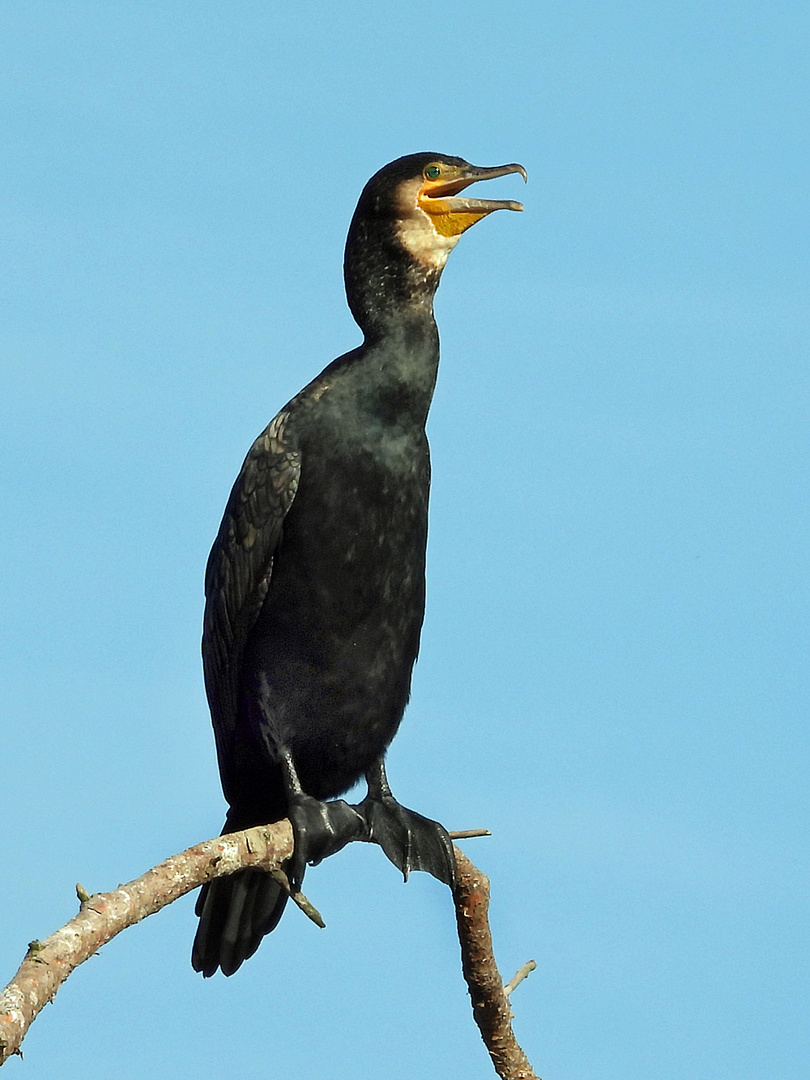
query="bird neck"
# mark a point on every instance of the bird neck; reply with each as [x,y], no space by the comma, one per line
[399,363]
[385,286]
[390,290]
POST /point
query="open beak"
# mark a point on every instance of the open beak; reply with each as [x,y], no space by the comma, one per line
[452,214]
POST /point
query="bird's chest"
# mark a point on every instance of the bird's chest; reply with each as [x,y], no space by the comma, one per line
[338,633]
[352,551]
[357,531]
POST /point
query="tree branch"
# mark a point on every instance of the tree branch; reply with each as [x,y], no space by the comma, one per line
[101,916]
[490,1001]
[48,963]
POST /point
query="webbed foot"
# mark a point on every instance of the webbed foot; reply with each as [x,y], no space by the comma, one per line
[320,829]
[410,841]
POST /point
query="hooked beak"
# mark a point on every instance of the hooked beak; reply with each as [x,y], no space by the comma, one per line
[452,214]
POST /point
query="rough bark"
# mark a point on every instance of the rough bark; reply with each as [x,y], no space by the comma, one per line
[490,1000]
[101,916]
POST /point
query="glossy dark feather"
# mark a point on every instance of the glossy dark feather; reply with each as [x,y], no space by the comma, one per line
[315,586]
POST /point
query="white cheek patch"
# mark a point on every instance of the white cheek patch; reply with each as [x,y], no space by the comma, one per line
[419,238]
[416,232]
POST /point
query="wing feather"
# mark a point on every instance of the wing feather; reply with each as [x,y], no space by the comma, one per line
[240,566]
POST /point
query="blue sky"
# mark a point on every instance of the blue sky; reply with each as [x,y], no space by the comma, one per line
[613,675]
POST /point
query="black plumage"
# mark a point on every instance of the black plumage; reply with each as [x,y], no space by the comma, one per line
[315,586]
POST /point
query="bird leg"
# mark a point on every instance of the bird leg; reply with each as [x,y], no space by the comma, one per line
[319,828]
[410,841]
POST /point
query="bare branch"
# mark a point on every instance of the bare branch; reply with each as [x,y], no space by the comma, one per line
[490,1003]
[519,976]
[103,915]
[48,963]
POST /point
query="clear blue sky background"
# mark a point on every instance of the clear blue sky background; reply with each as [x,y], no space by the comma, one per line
[614,664]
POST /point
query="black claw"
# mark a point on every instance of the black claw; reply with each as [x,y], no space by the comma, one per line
[410,841]
[320,829]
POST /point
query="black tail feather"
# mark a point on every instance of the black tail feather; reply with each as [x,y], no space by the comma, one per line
[235,914]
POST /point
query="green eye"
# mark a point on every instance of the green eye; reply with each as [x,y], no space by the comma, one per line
[433,172]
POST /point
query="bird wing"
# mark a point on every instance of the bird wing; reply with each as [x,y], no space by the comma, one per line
[240,566]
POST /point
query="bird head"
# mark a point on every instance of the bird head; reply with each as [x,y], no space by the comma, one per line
[409,218]
[432,212]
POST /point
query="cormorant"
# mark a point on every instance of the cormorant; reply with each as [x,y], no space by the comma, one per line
[315,586]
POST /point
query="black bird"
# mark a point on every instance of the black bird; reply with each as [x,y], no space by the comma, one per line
[315,586]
